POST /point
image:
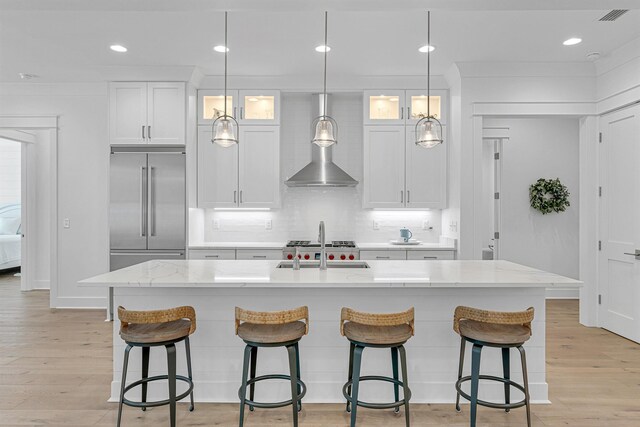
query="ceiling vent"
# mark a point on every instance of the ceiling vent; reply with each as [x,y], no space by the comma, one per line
[613,15]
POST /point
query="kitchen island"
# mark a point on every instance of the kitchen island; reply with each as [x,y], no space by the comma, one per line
[434,288]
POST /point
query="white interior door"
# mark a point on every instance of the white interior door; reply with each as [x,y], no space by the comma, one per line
[620,222]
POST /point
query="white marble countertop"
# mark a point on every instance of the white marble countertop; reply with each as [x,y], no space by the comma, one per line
[421,246]
[238,245]
[235,274]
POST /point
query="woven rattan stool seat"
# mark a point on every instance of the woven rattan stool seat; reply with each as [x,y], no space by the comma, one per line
[156,332]
[271,334]
[494,333]
[379,335]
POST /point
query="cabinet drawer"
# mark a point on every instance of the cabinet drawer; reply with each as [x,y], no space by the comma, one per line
[212,254]
[416,255]
[259,254]
[383,255]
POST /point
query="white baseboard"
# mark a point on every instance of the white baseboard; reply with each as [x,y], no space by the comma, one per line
[80,302]
[563,293]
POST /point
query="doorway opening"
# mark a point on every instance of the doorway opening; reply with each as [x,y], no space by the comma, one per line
[10,208]
[492,147]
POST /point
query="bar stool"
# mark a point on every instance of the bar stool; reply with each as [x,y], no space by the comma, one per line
[504,330]
[272,329]
[363,330]
[156,328]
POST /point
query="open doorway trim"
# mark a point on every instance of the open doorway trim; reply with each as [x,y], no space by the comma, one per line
[17,128]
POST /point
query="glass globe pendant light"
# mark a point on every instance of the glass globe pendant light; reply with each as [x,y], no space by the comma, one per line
[225,127]
[428,128]
[324,126]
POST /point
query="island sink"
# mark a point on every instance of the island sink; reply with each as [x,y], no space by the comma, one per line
[316,264]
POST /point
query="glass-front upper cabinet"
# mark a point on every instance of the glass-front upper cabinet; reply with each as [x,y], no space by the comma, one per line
[417,105]
[400,107]
[211,105]
[259,107]
[384,107]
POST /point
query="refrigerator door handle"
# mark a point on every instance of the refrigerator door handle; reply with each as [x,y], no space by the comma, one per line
[152,203]
[143,210]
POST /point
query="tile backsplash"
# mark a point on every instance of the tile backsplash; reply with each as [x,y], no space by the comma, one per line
[303,208]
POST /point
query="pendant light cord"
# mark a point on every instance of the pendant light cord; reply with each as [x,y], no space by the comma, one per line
[428,63]
[226,50]
[326,49]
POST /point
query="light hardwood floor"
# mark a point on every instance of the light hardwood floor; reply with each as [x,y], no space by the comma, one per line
[55,369]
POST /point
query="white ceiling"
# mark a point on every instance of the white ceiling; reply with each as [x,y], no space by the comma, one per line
[69,40]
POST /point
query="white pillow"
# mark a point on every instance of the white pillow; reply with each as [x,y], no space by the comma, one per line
[9,225]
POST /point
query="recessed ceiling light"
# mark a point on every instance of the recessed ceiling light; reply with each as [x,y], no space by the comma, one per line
[221,49]
[323,48]
[426,48]
[27,76]
[571,41]
[118,48]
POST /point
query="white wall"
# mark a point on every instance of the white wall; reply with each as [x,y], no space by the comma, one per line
[10,167]
[539,148]
[303,208]
[82,162]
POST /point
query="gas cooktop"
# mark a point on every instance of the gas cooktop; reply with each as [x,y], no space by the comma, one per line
[333,244]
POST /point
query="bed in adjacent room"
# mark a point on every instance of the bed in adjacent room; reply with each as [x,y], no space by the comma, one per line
[10,236]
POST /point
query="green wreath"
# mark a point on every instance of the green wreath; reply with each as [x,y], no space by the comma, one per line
[549,195]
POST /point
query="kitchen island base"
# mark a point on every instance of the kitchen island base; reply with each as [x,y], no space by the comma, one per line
[432,354]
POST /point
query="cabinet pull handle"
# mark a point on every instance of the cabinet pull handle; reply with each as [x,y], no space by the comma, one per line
[241,113]
[401,113]
[429,257]
[212,256]
[143,132]
[234,196]
[240,196]
[408,196]
[408,112]
[260,256]
[401,196]
[149,132]
[234,112]
[382,257]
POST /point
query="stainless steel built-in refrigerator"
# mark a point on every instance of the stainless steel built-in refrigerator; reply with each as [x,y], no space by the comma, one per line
[147,210]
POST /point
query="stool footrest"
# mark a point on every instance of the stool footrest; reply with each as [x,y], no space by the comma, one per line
[303,391]
[157,402]
[376,405]
[513,405]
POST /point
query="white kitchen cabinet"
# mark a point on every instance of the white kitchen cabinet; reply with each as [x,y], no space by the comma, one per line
[384,107]
[383,255]
[211,105]
[217,172]
[147,113]
[430,254]
[261,107]
[248,107]
[426,174]
[384,169]
[258,254]
[259,167]
[213,254]
[245,175]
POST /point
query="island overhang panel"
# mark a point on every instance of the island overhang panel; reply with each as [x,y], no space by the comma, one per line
[434,288]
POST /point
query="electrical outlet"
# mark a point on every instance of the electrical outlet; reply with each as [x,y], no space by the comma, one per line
[216,224]
[425,225]
[376,225]
[268,224]
[67,223]
[453,226]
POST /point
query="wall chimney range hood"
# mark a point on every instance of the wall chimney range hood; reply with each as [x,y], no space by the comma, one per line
[321,172]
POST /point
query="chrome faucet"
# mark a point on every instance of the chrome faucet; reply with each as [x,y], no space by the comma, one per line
[296,260]
[323,250]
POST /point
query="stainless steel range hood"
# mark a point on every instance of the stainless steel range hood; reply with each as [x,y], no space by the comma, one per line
[321,172]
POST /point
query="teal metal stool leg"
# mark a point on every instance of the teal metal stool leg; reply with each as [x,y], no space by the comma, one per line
[475,379]
[145,373]
[243,388]
[506,371]
[351,350]
[171,364]
[525,378]
[394,365]
[187,347]
[405,384]
[357,363]
[252,387]
[460,366]
[293,372]
[298,372]
[123,382]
